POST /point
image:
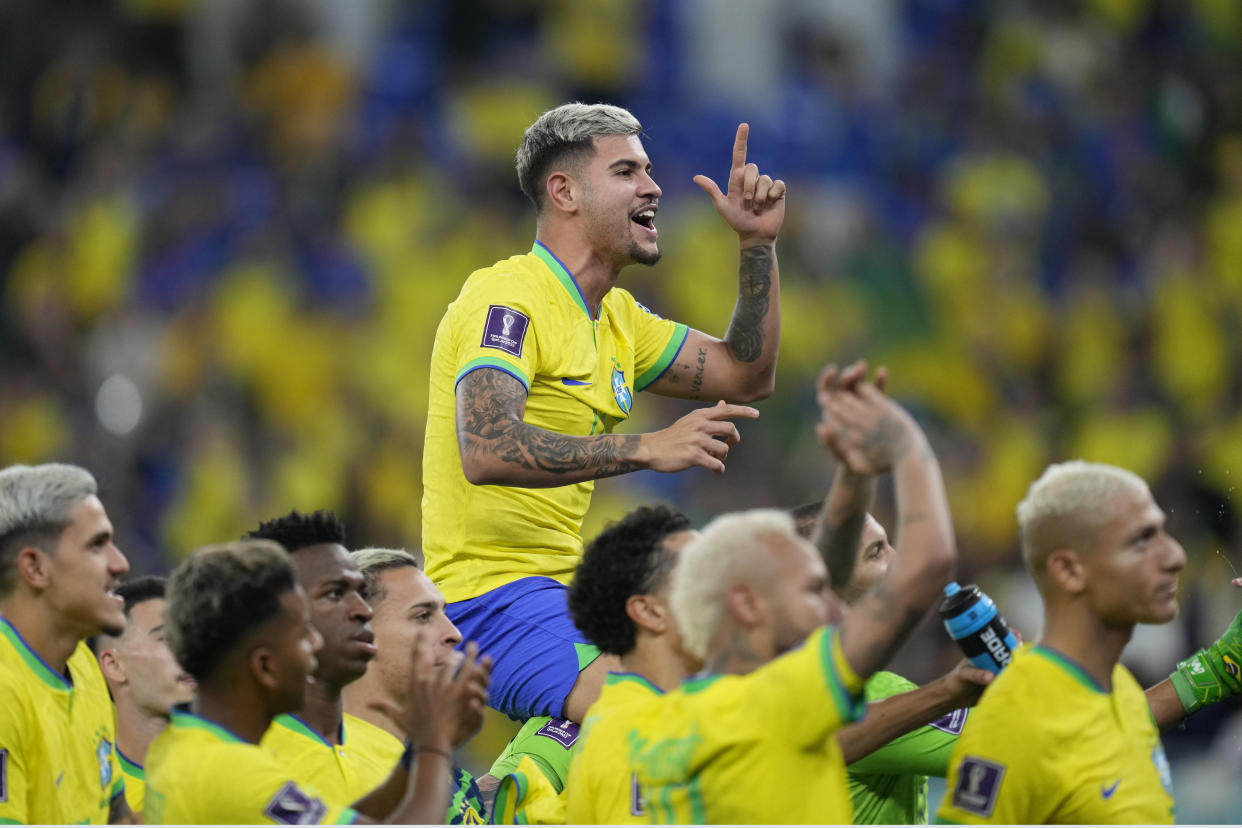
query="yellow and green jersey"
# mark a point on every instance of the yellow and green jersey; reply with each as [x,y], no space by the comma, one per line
[135,782]
[58,760]
[601,788]
[198,772]
[528,797]
[757,748]
[525,316]
[889,785]
[346,772]
[1048,744]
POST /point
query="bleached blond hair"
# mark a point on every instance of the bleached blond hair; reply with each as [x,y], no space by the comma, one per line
[724,554]
[565,135]
[1067,504]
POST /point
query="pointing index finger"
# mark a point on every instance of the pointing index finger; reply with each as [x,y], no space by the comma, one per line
[739,150]
[723,410]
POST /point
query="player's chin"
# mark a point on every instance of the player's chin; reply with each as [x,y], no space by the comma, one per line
[645,253]
[1162,611]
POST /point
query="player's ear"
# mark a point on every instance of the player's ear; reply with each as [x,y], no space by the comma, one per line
[263,668]
[564,192]
[746,605]
[648,612]
[34,567]
[1066,570]
[111,666]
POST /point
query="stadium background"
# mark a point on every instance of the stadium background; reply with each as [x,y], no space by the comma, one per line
[229,228]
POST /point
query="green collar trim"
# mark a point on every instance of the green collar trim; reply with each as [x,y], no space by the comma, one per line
[612,679]
[129,767]
[291,722]
[1070,666]
[562,275]
[36,664]
[189,721]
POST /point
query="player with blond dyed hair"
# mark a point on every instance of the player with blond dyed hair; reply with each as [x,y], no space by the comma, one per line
[751,597]
[1066,734]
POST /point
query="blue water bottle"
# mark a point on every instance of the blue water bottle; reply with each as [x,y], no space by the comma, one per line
[972,621]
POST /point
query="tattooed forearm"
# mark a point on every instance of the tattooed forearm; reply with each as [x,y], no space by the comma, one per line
[754,276]
[490,404]
[696,384]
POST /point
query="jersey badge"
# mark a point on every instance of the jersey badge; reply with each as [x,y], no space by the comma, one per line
[292,806]
[978,782]
[103,752]
[636,797]
[4,776]
[562,731]
[953,722]
[622,391]
[505,329]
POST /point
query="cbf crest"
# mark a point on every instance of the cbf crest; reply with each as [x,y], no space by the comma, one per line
[620,390]
[104,754]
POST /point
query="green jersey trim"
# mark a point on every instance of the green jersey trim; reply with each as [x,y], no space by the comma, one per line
[850,707]
[130,767]
[492,362]
[698,683]
[118,788]
[7,821]
[1075,671]
[504,809]
[348,817]
[675,343]
[562,275]
[36,664]
[291,722]
[613,679]
[189,721]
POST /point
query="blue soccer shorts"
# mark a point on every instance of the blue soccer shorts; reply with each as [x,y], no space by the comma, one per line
[537,651]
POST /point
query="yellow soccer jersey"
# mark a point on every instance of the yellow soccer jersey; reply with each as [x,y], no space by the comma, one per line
[757,748]
[344,772]
[528,797]
[525,316]
[600,787]
[135,782]
[198,772]
[1047,744]
[57,738]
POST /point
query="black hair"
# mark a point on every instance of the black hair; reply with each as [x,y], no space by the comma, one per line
[805,516]
[296,531]
[141,589]
[218,595]
[626,559]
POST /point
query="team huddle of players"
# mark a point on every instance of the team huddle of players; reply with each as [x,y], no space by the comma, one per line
[664,674]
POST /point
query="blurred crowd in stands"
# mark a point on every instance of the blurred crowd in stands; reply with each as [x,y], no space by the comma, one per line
[229,228]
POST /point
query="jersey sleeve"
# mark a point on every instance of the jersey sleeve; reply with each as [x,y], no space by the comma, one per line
[526,797]
[808,693]
[995,776]
[924,751]
[496,325]
[657,341]
[14,760]
[261,793]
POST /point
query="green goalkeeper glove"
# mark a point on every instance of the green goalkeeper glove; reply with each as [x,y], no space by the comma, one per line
[1212,673]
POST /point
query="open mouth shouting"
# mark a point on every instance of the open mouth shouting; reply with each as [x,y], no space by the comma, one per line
[645,218]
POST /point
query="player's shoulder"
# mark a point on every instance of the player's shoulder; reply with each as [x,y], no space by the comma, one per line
[361,735]
[884,684]
[521,271]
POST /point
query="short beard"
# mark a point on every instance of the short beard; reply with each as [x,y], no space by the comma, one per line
[638,254]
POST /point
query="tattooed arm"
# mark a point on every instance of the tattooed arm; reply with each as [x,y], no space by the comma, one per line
[871,434]
[742,366]
[498,448]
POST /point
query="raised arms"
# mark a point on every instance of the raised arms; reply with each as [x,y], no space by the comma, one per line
[871,433]
[742,366]
[498,448]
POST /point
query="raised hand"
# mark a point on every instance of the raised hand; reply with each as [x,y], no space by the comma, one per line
[441,707]
[701,438]
[754,205]
[865,429]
